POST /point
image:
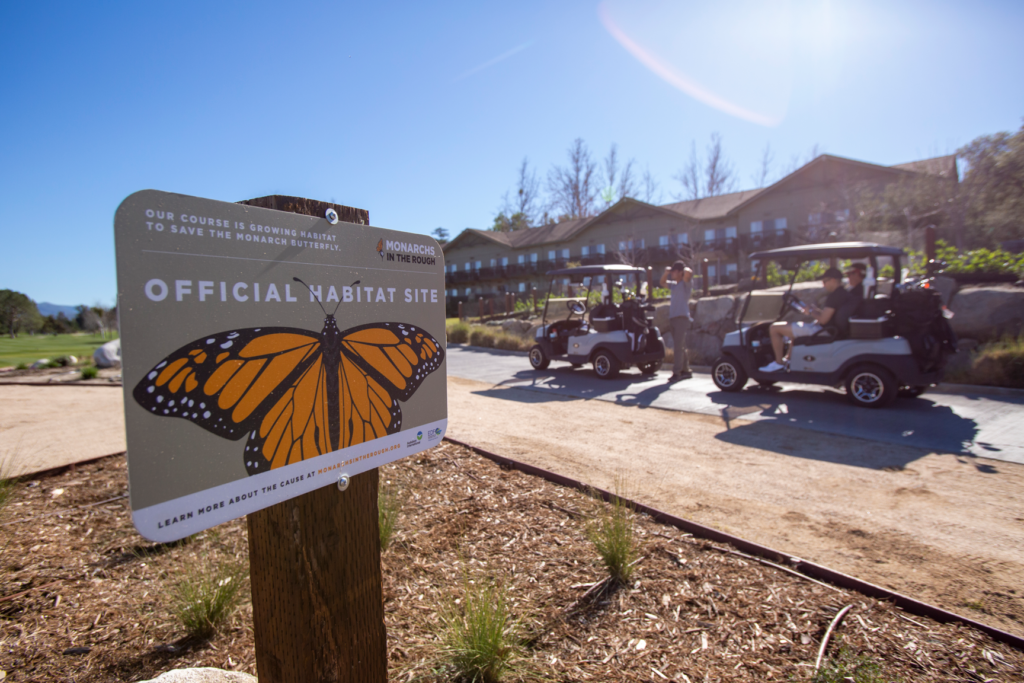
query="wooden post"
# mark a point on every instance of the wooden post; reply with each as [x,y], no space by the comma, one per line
[460,312]
[480,307]
[490,307]
[704,275]
[533,293]
[650,283]
[314,563]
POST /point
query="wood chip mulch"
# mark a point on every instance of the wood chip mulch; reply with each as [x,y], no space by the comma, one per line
[84,598]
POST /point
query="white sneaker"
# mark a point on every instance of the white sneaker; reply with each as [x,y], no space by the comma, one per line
[772,367]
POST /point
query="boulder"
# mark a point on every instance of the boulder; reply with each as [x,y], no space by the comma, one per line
[987,313]
[514,326]
[108,355]
[202,675]
[703,348]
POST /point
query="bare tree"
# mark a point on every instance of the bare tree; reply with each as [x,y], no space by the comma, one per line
[651,193]
[796,161]
[573,188]
[710,179]
[519,209]
[626,185]
[764,172]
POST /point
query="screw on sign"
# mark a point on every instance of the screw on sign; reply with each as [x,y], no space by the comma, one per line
[216,331]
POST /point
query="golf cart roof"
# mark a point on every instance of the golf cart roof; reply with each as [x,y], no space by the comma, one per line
[613,269]
[811,252]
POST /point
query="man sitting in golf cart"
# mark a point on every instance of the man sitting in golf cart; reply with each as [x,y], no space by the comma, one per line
[779,331]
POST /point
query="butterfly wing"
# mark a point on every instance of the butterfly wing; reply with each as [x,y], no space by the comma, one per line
[225,382]
[379,365]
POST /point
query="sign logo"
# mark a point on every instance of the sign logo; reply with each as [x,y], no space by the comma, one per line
[433,434]
[419,436]
[380,249]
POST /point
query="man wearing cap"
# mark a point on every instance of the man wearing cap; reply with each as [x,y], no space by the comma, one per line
[679,280]
[855,275]
[837,296]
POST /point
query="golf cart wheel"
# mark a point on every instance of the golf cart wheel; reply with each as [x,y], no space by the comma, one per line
[911,392]
[870,386]
[606,366]
[728,374]
[538,359]
[650,368]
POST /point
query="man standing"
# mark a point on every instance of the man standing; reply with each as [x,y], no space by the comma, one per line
[837,296]
[679,280]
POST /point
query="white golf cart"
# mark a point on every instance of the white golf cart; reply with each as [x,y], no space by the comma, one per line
[610,335]
[894,341]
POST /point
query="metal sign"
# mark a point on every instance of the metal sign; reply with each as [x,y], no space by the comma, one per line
[267,354]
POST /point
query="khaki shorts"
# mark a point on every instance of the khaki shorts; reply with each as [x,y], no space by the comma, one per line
[802,329]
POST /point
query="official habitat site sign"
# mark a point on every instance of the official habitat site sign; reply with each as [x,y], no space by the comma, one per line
[265,354]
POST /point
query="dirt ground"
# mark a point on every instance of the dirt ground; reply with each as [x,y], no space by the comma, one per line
[83,598]
[945,529]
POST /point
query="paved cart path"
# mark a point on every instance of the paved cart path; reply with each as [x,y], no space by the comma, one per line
[989,426]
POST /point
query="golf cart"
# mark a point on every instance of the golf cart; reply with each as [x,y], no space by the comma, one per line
[894,341]
[611,336]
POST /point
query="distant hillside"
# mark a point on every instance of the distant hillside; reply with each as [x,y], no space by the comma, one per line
[53,309]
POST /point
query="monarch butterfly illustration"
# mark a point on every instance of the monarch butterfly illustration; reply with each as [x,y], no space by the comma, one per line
[380,248]
[295,393]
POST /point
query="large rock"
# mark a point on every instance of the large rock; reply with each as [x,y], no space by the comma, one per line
[202,675]
[108,355]
[989,312]
[514,326]
[703,348]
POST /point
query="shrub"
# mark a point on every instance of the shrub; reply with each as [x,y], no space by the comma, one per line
[458,332]
[610,527]
[203,601]
[998,364]
[479,633]
[972,262]
[388,506]
[21,366]
[482,337]
[90,372]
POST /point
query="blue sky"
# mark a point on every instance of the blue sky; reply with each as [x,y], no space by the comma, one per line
[421,115]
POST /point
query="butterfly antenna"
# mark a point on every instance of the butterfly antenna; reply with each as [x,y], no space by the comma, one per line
[339,303]
[315,297]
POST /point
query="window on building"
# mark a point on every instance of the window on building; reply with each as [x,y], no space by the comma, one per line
[504,261]
[683,238]
[843,215]
[780,224]
[755,227]
[584,251]
[478,265]
[468,264]
[663,241]
[730,233]
[709,235]
[522,286]
[711,271]
[565,254]
[730,268]
[494,262]
[599,249]
[624,245]
[533,257]
[522,259]
[469,290]
[455,267]
[814,219]
[551,255]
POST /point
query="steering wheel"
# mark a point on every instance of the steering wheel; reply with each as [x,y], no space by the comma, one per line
[796,304]
[575,308]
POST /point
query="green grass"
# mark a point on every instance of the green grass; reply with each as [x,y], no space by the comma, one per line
[610,527]
[998,364]
[90,372]
[388,506]
[204,601]
[486,336]
[479,633]
[28,349]
[847,666]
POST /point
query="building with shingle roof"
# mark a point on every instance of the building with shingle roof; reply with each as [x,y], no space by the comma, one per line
[811,204]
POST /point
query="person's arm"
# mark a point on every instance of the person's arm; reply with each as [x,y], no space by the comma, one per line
[825,315]
[664,278]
